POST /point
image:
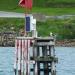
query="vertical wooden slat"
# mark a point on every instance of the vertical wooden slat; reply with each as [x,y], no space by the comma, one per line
[22,60]
[16,56]
[19,58]
[28,57]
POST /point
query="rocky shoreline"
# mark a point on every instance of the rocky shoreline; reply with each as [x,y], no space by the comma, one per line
[66,43]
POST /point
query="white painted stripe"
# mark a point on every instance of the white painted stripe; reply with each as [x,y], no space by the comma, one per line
[19,55]
[36,73]
[28,57]
[22,60]
[25,57]
[15,62]
[22,55]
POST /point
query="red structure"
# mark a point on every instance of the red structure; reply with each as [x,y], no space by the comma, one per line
[26,4]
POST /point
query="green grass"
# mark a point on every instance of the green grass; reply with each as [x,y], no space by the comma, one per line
[64,29]
[12,5]
[7,23]
[48,11]
[54,11]
[54,3]
[8,4]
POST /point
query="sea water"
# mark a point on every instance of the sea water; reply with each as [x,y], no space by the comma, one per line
[65,65]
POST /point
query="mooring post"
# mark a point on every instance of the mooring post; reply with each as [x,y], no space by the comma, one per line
[15,61]
[19,58]
[47,57]
[43,53]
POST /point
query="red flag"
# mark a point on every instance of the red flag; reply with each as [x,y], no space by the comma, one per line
[26,4]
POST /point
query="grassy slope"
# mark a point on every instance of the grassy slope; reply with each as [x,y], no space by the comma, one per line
[65,28]
[12,5]
[56,26]
[8,4]
[7,23]
[49,11]
[55,2]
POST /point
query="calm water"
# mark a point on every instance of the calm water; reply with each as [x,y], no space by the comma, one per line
[66,64]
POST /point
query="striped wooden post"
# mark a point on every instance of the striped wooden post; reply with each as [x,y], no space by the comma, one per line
[19,58]
[16,54]
[22,60]
[22,57]
[28,56]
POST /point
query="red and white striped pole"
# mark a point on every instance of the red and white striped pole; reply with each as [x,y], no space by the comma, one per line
[16,56]
[19,58]
[22,60]
[22,57]
[25,57]
[29,57]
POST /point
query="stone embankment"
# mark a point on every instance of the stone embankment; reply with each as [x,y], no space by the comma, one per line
[66,43]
